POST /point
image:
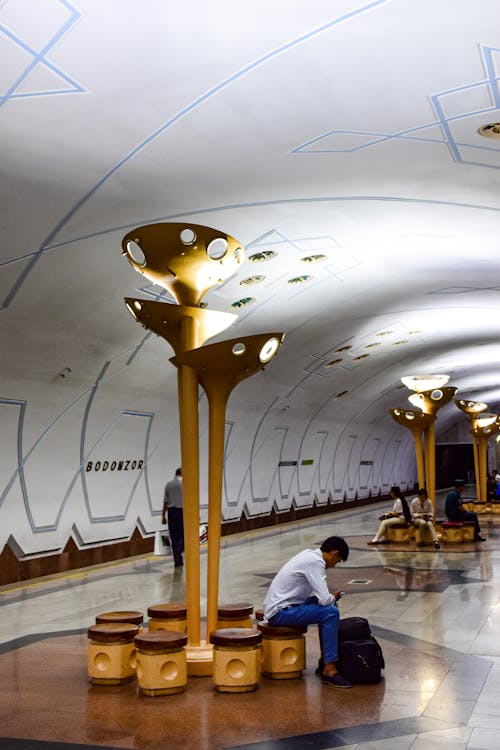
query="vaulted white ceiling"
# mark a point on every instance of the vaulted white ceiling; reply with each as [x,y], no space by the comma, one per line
[337,141]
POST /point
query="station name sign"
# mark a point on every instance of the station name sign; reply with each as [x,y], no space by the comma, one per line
[124,464]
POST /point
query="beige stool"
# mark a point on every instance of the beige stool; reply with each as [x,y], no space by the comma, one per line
[451,532]
[234,615]
[283,651]
[168,617]
[131,616]
[400,532]
[111,653]
[161,662]
[236,659]
[468,531]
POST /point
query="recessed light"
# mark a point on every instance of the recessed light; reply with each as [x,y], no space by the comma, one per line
[361,356]
[343,349]
[342,393]
[490,131]
[333,362]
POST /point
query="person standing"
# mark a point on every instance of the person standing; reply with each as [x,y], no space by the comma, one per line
[173,508]
[454,511]
[298,596]
[422,514]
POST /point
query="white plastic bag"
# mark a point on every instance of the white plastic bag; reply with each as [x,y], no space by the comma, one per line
[162,543]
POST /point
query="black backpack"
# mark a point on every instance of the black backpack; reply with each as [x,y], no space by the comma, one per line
[360,658]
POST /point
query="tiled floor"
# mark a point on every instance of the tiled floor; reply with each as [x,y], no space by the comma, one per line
[435,613]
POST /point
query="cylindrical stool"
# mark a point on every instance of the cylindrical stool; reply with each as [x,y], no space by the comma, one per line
[168,617]
[283,651]
[481,507]
[452,532]
[131,616]
[161,662]
[111,653]
[399,532]
[259,615]
[237,615]
[468,531]
[236,659]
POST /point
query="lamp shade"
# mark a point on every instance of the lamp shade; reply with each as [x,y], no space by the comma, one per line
[484,420]
[420,383]
[471,407]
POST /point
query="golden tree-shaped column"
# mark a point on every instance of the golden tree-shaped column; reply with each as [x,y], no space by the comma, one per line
[220,367]
[417,422]
[430,396]
[187,260]
[473,409]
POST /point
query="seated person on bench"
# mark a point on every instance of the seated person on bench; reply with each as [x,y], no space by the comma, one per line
[454,511]
[298,596]
[422,514]
[400,513]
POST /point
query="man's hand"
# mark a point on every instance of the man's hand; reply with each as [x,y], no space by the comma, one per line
[337,595]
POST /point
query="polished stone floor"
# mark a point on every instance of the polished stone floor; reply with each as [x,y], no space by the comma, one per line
[436,615]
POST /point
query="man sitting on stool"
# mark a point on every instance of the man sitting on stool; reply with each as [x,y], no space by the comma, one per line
[454,511]
[298,596]
[422,514]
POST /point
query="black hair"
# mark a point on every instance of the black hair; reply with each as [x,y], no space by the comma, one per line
[178,473]
[336,542]
[422,491]
[396,491]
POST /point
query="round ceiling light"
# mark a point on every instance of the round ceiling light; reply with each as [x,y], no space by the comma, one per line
[421,383]
[490,131]
[269,350]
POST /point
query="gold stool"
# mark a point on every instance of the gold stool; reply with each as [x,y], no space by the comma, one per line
[234,615]
[168,617]
[283,651]
[259,615]
[131,616]
[468,531]
[452,532]
[111,653]
[400,532]
[161,662]
[236,659]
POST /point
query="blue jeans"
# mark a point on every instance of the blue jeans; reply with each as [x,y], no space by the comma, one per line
[311,613]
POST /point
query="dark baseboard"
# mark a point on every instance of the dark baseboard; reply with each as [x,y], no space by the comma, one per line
[15,570]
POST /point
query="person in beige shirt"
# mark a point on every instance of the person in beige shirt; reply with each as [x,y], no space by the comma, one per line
[422,515]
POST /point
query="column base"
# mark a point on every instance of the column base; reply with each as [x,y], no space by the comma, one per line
[200,660]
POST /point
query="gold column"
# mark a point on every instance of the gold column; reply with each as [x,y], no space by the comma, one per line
[187,260]
[219,368]
[472,409]
[430,401]
[483,427]
[416,422]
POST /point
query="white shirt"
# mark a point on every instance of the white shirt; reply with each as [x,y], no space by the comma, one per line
[421,506]
[397,506]
[302,576]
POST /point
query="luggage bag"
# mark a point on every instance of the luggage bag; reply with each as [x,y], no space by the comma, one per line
[360,657]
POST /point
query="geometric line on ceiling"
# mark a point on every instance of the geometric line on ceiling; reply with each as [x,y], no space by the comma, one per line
[171,121]
[443,122]
[464,289]
[38,60]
